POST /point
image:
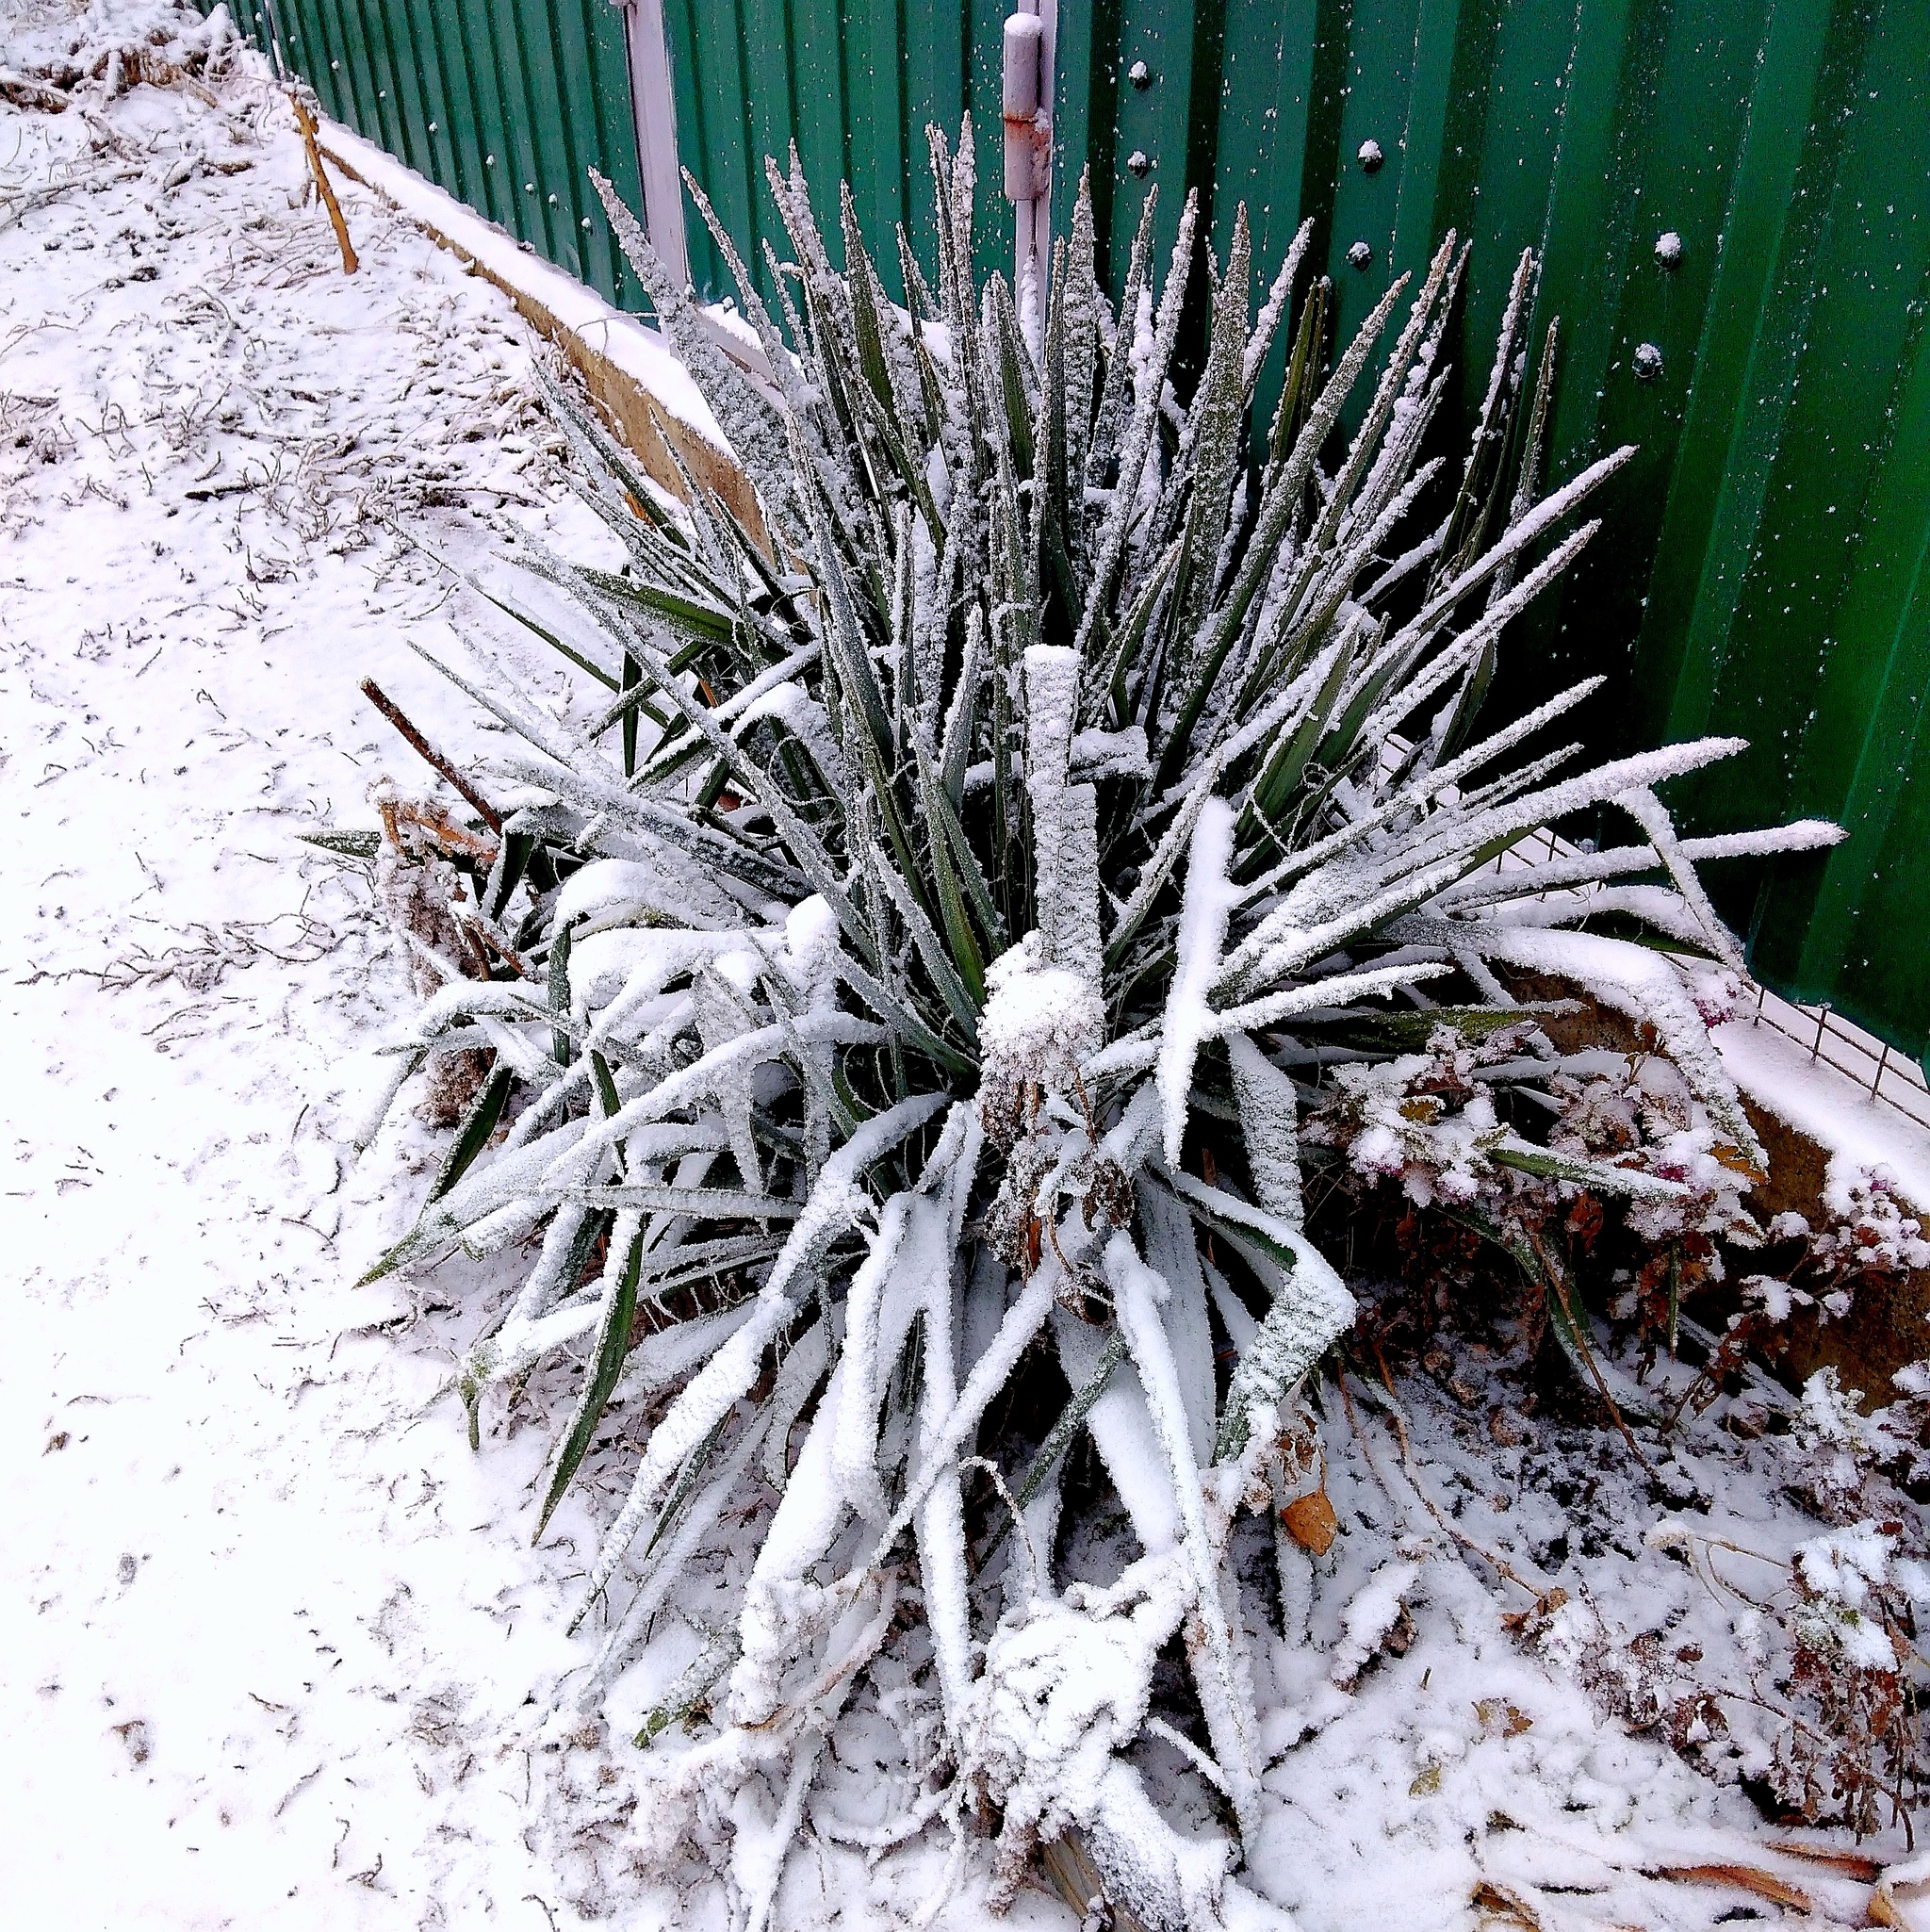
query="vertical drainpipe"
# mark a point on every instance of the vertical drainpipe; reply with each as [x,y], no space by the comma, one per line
[653,106]
[1030,44]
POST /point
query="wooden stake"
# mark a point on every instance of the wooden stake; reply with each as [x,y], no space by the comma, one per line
[306,121]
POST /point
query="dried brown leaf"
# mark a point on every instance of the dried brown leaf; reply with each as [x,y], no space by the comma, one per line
[1857,1865]
[1311,1522]
[1503,1902]
[1743,1877]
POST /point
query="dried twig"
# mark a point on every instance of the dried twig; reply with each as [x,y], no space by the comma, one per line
[479,804]
[25,91]
[200,964]
[1498,1564]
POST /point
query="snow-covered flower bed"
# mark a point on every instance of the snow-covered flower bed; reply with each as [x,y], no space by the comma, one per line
[905,1026]
[53,57]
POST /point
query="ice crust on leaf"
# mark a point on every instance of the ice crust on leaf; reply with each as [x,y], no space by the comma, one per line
[1269,1125]
[1370,1614]
[1063,1691]
[1209,900]
[1310,1310]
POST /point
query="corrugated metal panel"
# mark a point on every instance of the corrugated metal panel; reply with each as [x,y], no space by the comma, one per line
[1763,571]
[854,83]
[251,16]
[505,104]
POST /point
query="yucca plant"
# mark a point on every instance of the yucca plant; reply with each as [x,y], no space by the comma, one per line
[906,988]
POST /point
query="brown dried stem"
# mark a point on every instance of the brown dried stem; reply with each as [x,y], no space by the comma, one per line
[386,705]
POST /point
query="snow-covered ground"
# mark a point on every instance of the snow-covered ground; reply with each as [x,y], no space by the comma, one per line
[269,1637]
[274,1649]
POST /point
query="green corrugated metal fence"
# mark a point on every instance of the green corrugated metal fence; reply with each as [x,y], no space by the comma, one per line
[854,83]
[251,16]
[507,104]
[1763,569]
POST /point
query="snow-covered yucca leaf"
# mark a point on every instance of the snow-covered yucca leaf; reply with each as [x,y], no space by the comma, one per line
[928,936]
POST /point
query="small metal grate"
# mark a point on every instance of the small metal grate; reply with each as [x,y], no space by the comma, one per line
[1890,1078]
